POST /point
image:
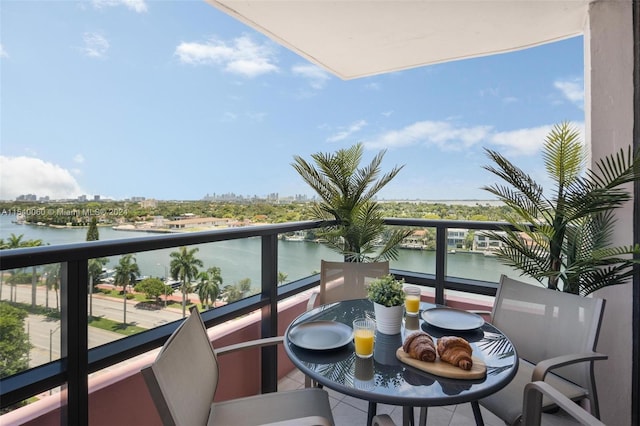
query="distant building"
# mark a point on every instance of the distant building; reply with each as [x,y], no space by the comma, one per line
[27,197]
[456,237]
[158,222]
[483,242]
[196,222]
[417,240]
[149,204]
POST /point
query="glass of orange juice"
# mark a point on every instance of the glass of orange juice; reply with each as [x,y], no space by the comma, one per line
[412,300]
[364,330]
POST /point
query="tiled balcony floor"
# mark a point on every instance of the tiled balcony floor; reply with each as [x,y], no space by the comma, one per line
[349,411]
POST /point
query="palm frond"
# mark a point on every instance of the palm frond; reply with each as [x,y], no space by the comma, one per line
[616,170]
[568,235]
[347,192]
[390,249]
[563,155]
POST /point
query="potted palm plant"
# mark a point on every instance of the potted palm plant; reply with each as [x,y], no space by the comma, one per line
[564,237]
[347,195]
[387,295]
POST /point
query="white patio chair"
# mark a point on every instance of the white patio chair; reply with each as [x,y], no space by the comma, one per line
[183,379]
[555,335]
[345,280]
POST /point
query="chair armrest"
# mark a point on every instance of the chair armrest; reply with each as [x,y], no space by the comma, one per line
[269,341]
[543,367]
[532,405]
[312,300]
[304,421]
[382,420]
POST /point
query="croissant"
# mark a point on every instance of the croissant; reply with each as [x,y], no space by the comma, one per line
[456,351]
[419,345]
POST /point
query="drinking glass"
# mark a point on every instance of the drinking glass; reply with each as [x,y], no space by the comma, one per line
[412,300]
[364,330]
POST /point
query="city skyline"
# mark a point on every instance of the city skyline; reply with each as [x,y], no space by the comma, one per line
[176,100]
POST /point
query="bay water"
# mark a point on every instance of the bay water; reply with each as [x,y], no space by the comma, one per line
[240,259]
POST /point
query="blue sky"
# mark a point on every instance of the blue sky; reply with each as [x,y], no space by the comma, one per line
[176,100]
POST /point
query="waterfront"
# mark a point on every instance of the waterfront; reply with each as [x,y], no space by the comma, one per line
[240,259]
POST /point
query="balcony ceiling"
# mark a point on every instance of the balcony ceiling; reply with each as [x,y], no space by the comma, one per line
[357,38]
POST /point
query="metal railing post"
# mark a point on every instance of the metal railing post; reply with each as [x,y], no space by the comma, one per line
[74,343]
[441,263]
[269,325]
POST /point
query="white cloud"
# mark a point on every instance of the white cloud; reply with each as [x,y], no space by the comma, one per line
[439,133]
[28,175]
[139,6]
[448,137]
[95,45]
[343,134]
[3,53]
[317,76]
[521,141]
[78,158]
[387,113]
[573,90]
[527,141]
[239,56]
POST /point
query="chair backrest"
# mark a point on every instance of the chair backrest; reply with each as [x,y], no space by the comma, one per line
[348,280]
[543,323]
[183,378]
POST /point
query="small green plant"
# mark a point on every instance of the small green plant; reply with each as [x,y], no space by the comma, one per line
[386,290]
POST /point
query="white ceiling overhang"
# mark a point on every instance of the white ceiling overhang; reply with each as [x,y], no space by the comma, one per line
[357,38]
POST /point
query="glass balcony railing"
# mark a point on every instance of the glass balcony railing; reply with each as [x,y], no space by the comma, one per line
[74,332]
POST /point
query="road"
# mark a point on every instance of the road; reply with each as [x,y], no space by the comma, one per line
[44,333]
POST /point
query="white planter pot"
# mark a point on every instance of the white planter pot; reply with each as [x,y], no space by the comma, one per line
[388,319]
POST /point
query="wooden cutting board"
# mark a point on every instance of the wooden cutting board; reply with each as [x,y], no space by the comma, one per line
[444,369]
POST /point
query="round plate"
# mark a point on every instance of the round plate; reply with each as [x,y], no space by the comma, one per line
[321,335]
[452,319]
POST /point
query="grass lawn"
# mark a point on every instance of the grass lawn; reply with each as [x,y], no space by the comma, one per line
[118,327]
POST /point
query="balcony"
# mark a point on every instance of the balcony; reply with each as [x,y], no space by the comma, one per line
[96,379]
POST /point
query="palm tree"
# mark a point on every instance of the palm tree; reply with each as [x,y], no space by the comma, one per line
[282,277]
[34,272]
[244,285]
[232,293]
[52,281]
[15,241]
[209,286]
[126,273]
[184,266]
[95,270]
[566,237]
[348,196]
[95,265]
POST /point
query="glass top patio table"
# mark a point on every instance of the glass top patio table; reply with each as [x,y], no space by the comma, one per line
[385,379]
